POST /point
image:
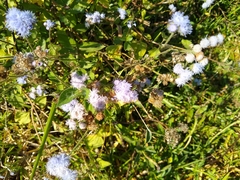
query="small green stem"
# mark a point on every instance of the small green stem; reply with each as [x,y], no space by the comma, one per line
[44,138]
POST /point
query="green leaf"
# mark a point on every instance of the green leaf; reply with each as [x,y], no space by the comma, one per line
[103,163]
[95,141]
[114,51]
[139,49]
[67,95]
[91,46]
[22,117]
[186,43]
[148,136]
[154,53]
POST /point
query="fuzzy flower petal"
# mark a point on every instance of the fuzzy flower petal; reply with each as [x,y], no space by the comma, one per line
[20,21]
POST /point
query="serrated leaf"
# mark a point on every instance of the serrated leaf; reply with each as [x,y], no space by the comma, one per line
[91,47]
[67,95]
[95,141]
[22,117]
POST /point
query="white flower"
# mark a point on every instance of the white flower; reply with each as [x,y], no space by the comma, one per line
[213,41]
[82,125]
[204,43]
[130,24]
[22,80]
[190,57]
[122,13]
[199,56]
[172,7]
[207,4]
[197,48]
[181,22]
[184,77]
[204,62]
[97,101]
[48,24]
[220,38]
[71,124]
[78,81]
[197,68]
[178,69]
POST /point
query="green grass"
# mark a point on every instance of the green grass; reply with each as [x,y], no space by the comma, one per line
[192,134]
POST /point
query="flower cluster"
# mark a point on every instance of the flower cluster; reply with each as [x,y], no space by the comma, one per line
[197,58]
[207,4]
[20,21]
[123,92]
[76,110]
[212,41]
[78,81]
[36,91]
[58,166]
[48,24]
[94,18]
[180,23]
[122,13]
[96,100]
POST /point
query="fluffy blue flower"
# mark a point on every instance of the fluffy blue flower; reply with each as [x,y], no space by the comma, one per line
[20,21]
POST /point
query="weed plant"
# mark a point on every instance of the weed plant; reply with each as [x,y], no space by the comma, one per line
[119,89]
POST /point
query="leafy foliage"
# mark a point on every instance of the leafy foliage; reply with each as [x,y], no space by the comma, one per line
[190,132]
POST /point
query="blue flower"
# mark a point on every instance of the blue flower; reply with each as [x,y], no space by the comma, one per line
[20,21]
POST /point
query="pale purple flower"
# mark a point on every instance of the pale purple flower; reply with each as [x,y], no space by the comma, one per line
[96,100]
[94,18]
[78,81]
[77,112]
[58,166]
[197,68]
[22,80]
[71,124]
[20,21]
[69,106]
[123,92]
[36,91]
[48,24]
